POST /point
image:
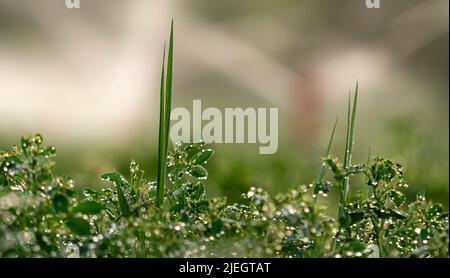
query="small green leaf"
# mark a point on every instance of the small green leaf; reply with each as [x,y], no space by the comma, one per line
[434,210]
[198,191]
[355,217]
[11,163]
[356,246]
[443,216]
[176,207]
[60,203]
[49,151]
[324,187]
[2,180]
[424,233]
[203,156]
[420,197]
[123,203]
[79,226]
[336,167]
[343,220]
[203,203]
[390,213]
[109,177]
[216,225]
[25,143]
[397,197]
[89,207]
[199,172]
[46,246]
[91,193]
[119,181]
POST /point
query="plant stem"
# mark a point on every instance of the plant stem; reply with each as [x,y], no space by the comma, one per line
[366,186]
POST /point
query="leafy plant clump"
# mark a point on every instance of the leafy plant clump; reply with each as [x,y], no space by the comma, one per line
[42,216]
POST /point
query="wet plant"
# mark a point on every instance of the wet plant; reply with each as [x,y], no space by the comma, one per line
[164,119]
[42,216]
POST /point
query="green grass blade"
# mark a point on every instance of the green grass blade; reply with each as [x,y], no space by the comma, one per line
[161,155]
[351,117]
[352,127]
[164,119]
[123,203]
[327,153]
[322,166]
[169,84]
[349,105]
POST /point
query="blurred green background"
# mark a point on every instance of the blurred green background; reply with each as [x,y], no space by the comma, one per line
[87,79]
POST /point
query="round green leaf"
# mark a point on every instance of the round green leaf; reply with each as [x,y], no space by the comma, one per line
[60,203]
[89,207]
[203,156]
[79,226]
[397,197]
[199,172]
[216,225]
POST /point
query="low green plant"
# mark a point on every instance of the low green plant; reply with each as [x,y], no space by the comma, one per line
[42,216]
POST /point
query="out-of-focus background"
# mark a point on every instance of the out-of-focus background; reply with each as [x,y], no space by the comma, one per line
[87,79]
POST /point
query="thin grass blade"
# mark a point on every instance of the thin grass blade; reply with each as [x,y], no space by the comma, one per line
[351,117]
[169,84]
[165,109]
[349,105]
[123,203]
[161,147]
[322,166]
[352,127]
[327,153]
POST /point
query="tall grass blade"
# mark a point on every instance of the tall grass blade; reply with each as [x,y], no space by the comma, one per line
[352,128]
[322,166]
[164,119]
[349,106]
[162,125]
[169,85]
[351,117]
[327,153]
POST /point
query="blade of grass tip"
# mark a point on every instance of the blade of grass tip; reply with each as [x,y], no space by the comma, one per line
[169,85]
[352,126]
[322,166]
[161,174]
